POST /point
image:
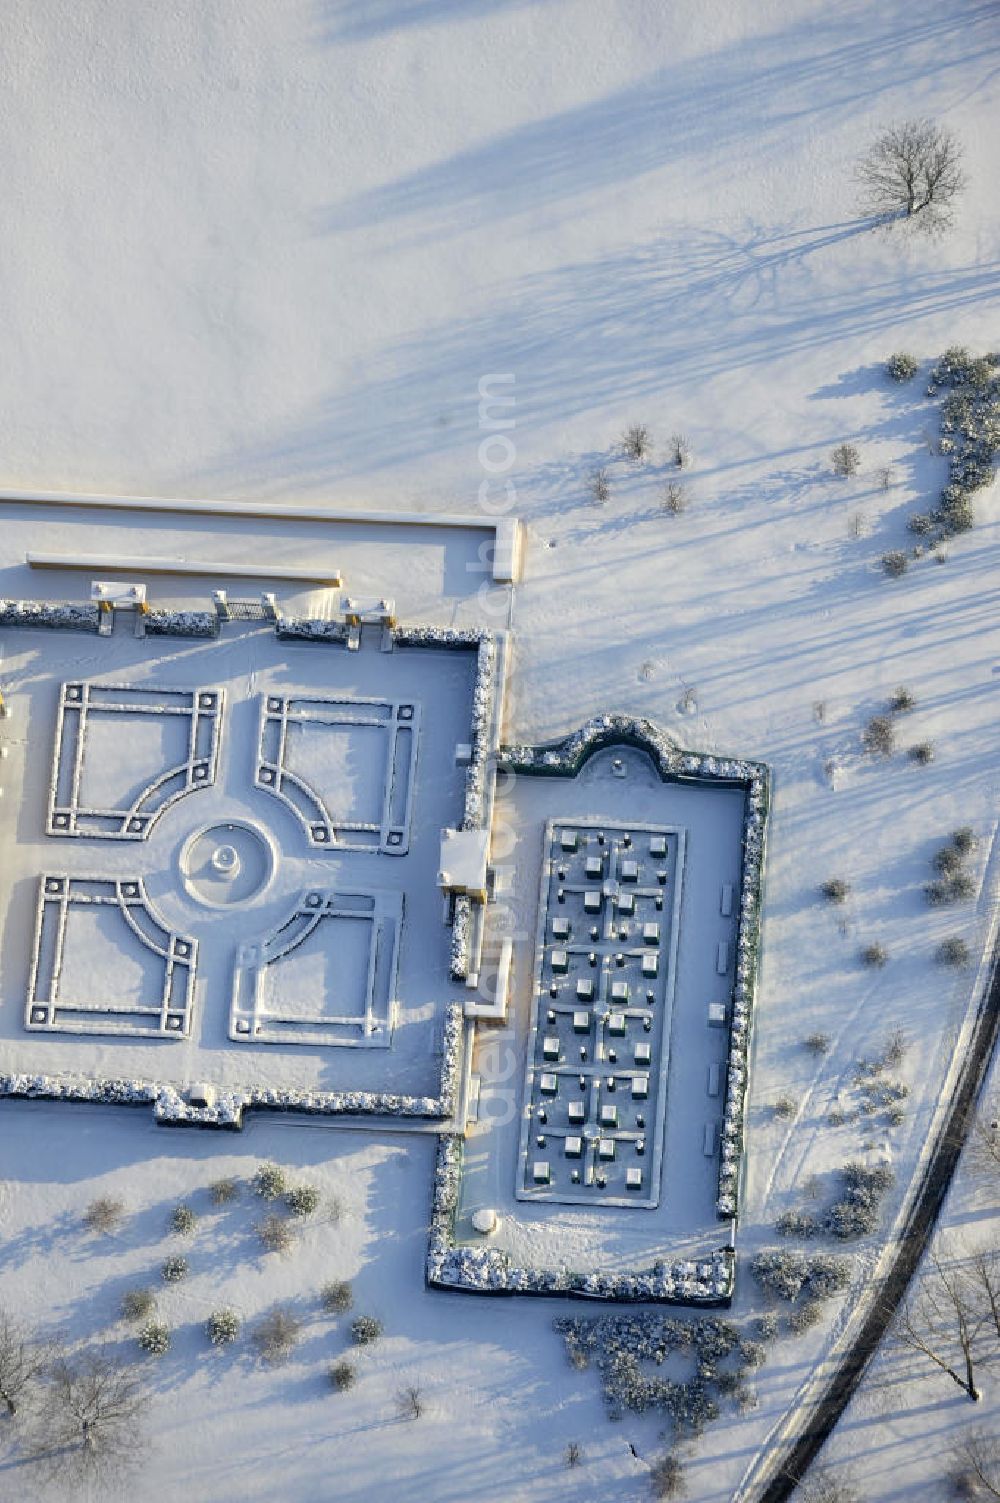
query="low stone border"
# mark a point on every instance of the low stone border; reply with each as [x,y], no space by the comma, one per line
[706,1281]
[57,617]
[228,1109]
[564,759]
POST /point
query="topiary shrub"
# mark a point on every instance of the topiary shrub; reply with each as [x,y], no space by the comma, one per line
[269,1182]
[846,460]
[336,1297]
[365,1329]
[183,1220]
[342,1376]
[901,367]
[154,1338]
[174,1269]
[222,1327]
[137,1304]
[302,1200]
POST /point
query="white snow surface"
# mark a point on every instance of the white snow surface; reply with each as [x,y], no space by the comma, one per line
[258,251]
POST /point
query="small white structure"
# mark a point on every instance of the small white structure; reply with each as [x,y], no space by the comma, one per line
[717,1014]
[485,1221]
[464,860]
[541,1172]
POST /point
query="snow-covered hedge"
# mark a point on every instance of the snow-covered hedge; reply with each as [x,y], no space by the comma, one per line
[565,758]
[170,1108]
[489,1270]
[181,623]
[310,629]
[65,617]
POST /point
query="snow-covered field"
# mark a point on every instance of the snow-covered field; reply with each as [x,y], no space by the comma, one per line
[262,252]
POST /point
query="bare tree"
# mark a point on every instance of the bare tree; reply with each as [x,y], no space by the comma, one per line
[23,1360]
[410,1402]
[976,1469]
[912,171]
[88,1427]
[277,1335]
[943,1320]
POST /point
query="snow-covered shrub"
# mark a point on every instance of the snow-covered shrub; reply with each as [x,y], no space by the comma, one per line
[154,1338]
[835,889]
[879,736]
[901,367]
[921,523]
[901,700]
[636,443]
[269,1182]
[223,1191]
[302,1200]
[666,1477]
[767,1325]
[922,752]
[953,951]
[801,1224]
[336,1297]
[137,1304]
[964,840]
[679,450]
[856,1213]
[817,1043]
[365,1329]
[183,1220]
[785,1107]
[788,1274]
[277,1335]
[275,1234]
[805,1316]
[894,1050]
[104,1215]
[894,563]
[874,954]
[674,498]
[957,888]
[174,1269]
[342,1376]
[947,860]
[846,460]
[222,1327]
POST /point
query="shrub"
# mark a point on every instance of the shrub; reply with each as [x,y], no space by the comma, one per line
[901,367]
[174,1269]
[846,460]
[875,955]
[901,700]
[137,1304]
[801,1224]
[894,1051]
[922,753]
[767,1325]
[154,1338]
[886,477]
[953,951]
[817,1043]
[302,1200]
[574,1454]
[277,1335]
[787,1273]
[856,1213]
[879,736]
[964,840]
[947,861]
[104,1215]
[269,1182]
[785,1107]
[365,1329]
[223,1191]
[835,889]
[275,1234]
[599,486]
[337,1297]
[679,450]
[666,1477]
[921,523]
[636,443]
[804,1317]
[222,1327]
[894,563]
[342,1376]
[957,888]
[183,1220]
[674,498]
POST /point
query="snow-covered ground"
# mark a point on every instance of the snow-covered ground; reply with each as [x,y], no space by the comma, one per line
[270,252]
